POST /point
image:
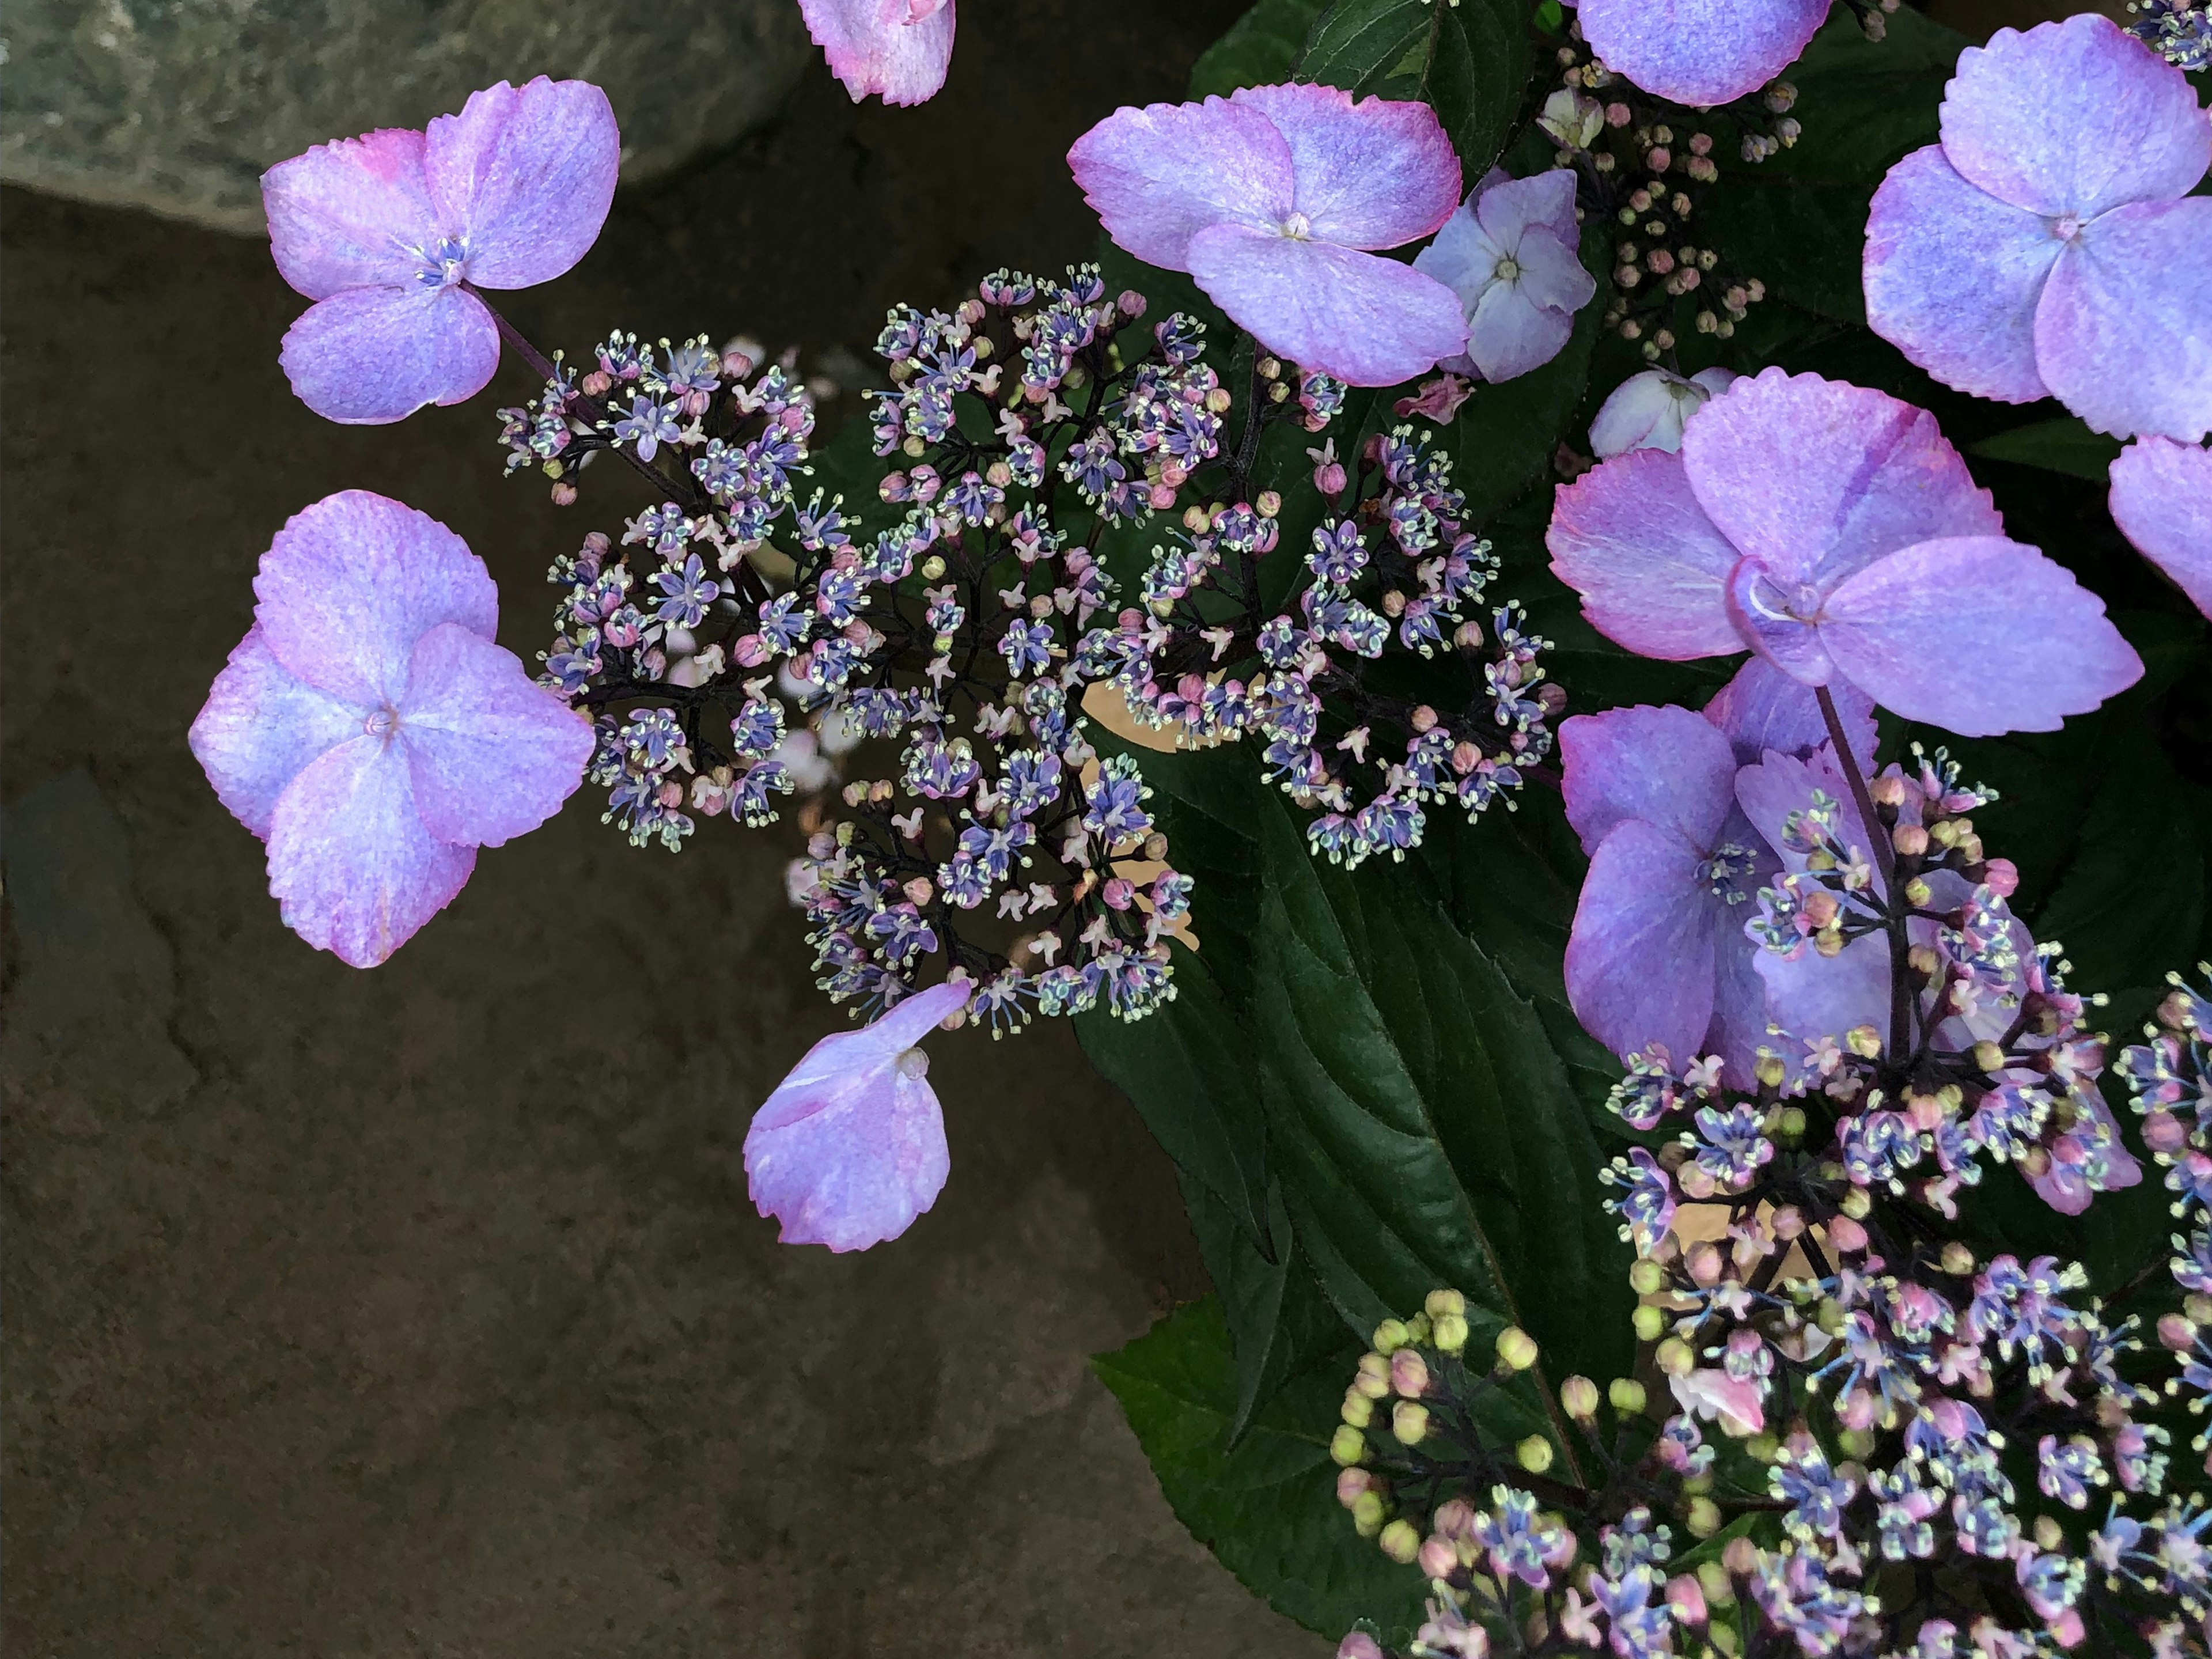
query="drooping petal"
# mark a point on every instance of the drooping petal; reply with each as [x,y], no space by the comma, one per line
[1667,766]
[371,355]
[850,1147]
[493,753]
[1509,333]
[1817,478]
[350,865]
[1639,964]
[2074,118]
[1773,620]
[351,583]
[1648,410]
[1953,276]
[1700,51]
[1366,320]
[525,177]
[1372,175]
[355,213]
[2162,503]
[1763,709]
[2121,333]
[1511,208]
[1157,176]
[1977,635]
[260,727]
[885,50]
[1630,537]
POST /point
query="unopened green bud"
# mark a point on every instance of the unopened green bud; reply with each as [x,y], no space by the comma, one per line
[1441,1302]
[1647,1278]
[1368,1511]
[1958,1259]
[1358,1410]
[1400,1541]
[1516,1349]
[1347,1446]
[932,568]
[1451,1335]
[1533,1453]
[1703,1517]
[1627,1396]
[1373,1378]
[1390,1336]
[1720,1588]
[1409,1422]
[1650,1322]
[1676,1358]
[1856,1443]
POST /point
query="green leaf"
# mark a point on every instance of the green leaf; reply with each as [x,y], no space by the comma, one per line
[1468,59]
[1267,1507]
[1803,240]
[1258,50]
[2065,445]
[1280,1322]
[1425,1131]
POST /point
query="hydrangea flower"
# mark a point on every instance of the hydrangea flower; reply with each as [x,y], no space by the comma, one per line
[1273,199]
[1648,410]
[1700,52]
[370,732]
[897,49]
[1658,953]
[1509,254]
[850,1147]
[2162,502]
[389,233]
[2040,249]
[1831,529]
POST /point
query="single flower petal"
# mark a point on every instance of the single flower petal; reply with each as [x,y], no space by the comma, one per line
[899,54]
[260,727]
[1763,709]
[1953,276]
[1508,334]
[1509,209]
[2121,334]
[1639,964]
[2074,118]
[1700,51]
[1779,784]
[849,1148]
[371,355]
[524,176]
[1157,176]
[356,213]
[1630,537]
[1817,479]
[2162,503]
[351,583]
[1667,766]
[1375,174]
[1978,635]
[1366,320]
[350,865]
[493,753]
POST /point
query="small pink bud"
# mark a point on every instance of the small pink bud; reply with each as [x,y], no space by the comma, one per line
[1659,158]
[1409,1374]
[1359,1645]
[1846,1234]
[1163,497]
[1118,893]
[1437,1557]
[2001,876]
[597,383]
[1687,1599]
[1617,115]
[2175,1334]
[1455,1518]
[750,652]
[2164,1132]
[564,494]
[1131,304]
[1350,1484]
[1329,477]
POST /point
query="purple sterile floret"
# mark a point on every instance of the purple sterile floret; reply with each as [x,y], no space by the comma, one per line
[1658,954]
[370,732]
[850,1148]
[1509,253]
[898,49]
[1274,199]
[1831,529]
[2162,502]
[1648,410]
[2039,249]
[1701,52]
[389,233]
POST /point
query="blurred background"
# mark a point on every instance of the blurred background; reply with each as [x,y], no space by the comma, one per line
[422,1311]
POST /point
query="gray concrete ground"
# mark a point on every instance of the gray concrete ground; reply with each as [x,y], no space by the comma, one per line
[422,1311]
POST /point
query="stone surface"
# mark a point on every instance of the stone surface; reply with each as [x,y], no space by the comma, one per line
[177,106]
[421,1312]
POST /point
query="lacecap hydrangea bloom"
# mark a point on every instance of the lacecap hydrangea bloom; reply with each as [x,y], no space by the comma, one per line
[1510,255]
[391,234]
[1274,199]
[2044,248]
[1831,529]
[897,49]
[850,1148]
[2161,500]
[370,732]
[1700,52]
